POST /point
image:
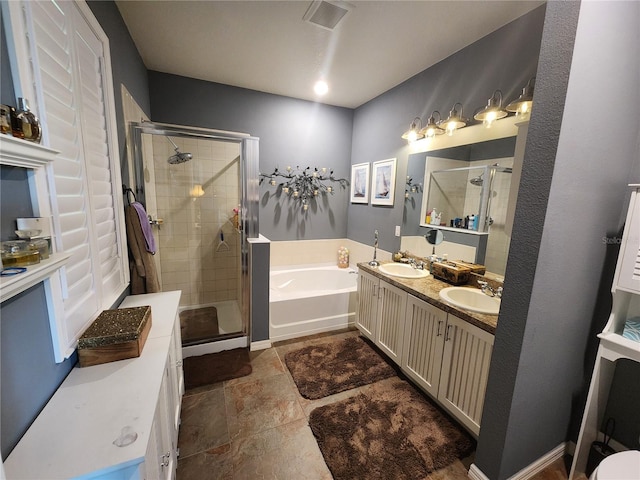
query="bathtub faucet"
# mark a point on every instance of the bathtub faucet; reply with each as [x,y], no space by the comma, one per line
[374,262]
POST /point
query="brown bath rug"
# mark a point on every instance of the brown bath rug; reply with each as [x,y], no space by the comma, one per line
[198,324]
[332,367]
[389,432]
[216,367]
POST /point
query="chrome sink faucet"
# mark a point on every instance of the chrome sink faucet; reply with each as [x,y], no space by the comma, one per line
[374,262]
[416,264]
[488,290]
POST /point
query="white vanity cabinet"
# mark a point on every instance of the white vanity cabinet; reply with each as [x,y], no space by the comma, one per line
[424,340]
[444,355]
[381,314]
[117,420]
[367,304]
[449,358]
[465,371]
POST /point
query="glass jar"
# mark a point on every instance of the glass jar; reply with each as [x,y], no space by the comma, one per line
[17,254]
[5,120]
[29,123]
[41,246]
[343,257]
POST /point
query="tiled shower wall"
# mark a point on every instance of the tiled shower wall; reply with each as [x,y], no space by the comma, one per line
[199,243]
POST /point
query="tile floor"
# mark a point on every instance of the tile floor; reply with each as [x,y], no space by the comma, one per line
[256,427]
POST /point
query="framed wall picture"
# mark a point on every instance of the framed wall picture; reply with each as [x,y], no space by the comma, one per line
[360,183]
[383,182]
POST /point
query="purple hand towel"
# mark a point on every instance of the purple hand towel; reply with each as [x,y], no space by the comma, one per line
[146,228]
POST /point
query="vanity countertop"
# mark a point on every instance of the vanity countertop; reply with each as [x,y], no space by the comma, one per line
[428,289]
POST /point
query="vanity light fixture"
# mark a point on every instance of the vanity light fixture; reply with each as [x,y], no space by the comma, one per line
[304,185]
[493,111]
[522,105]
[454,121]
[432,129]
[414,132]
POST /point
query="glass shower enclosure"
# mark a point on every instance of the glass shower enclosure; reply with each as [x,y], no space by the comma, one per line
[196,185]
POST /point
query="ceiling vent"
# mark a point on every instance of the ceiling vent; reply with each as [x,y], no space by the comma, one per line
[326,14]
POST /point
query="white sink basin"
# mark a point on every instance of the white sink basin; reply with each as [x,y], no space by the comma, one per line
[402,270]
[472,299]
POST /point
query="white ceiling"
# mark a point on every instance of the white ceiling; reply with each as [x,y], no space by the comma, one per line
[266,46]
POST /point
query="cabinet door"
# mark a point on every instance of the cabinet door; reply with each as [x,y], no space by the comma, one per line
[392,304]
[629,262]
[423,344]
[465,369]
[153,457]
[367,304]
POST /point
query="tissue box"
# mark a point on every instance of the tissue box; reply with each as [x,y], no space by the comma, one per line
[115,335]
[451,272]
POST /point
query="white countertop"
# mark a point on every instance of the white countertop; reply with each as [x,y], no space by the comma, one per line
[73,436]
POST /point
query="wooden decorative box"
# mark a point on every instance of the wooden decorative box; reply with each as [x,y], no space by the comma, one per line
[475,267]
[115,335]
[450,272]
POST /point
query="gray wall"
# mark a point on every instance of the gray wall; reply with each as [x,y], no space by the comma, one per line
[29,374]
[505,60]
[556,276]
[292,132]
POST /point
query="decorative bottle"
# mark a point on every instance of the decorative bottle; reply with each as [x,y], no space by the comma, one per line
[30,125]
[343,257]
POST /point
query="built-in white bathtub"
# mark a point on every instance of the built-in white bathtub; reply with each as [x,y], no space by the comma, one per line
[304,301]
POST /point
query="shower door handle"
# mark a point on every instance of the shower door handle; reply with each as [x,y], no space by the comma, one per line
[157,222]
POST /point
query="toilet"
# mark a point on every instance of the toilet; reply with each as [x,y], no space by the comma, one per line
[619,466]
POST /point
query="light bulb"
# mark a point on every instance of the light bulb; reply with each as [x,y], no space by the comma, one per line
[329,189]
[412,136]
[451,127]
[321,87]
[431,132]
[523,109]
[295,193]
[285,189]
[406,194]
[315,192]
[305,207]
[489,119]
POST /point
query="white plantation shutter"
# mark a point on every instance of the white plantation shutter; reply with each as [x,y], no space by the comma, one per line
[75,101]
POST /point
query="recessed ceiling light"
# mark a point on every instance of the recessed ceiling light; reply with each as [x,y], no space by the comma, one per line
[321,87]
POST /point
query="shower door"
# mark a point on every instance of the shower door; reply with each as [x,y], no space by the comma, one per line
[197,185]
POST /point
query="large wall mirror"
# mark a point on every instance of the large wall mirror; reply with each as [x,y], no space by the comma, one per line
[473,179]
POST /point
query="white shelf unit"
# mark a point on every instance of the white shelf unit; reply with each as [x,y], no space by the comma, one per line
[75,435]
[15,152]
[613,346]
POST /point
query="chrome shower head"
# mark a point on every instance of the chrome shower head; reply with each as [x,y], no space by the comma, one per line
[477,181]
[179,156]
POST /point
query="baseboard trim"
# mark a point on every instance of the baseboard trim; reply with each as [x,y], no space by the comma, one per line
[476,474]
[260,345]
[540,464]
[214,347]
[528,472]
